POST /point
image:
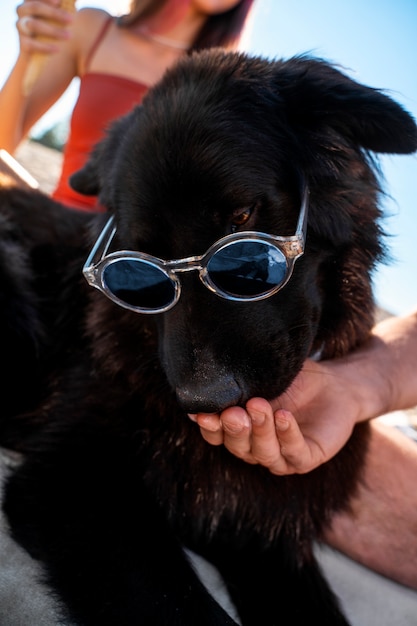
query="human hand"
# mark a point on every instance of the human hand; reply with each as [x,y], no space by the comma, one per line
[42,24]
[294,433]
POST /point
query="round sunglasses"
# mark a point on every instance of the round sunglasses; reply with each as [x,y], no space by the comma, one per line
[245,266]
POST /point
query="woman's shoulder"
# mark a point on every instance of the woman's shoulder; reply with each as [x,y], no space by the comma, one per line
[87,26]
[89,17]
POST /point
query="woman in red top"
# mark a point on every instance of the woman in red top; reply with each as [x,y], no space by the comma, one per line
[117,60]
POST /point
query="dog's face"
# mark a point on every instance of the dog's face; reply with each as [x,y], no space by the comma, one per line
[222,145]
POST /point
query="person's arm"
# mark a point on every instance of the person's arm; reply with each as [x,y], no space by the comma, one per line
[20,112]
[380,528]
[310,422]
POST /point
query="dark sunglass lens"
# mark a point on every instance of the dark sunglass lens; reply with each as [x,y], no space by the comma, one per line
[247,268]
[139,284]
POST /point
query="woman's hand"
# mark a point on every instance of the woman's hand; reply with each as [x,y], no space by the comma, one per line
[41,25]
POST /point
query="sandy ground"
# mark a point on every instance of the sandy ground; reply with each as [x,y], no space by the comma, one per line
[43,163]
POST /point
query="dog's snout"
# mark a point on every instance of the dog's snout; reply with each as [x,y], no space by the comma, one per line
[210,398]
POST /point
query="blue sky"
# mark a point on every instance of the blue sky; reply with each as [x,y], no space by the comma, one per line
[376,42]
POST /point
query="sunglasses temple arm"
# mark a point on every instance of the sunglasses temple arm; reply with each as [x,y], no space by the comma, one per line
[303,217]
[102,244]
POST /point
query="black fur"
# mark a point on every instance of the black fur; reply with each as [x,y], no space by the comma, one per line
[117,478]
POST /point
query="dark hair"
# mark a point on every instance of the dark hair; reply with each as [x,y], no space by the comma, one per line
[223,29]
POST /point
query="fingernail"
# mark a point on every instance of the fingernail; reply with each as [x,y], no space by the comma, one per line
[257,418]
[237,426]
[235,429]
[281,422]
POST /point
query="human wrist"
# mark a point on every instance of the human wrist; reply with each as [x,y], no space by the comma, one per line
[387,367]
[375,385]
[364,381]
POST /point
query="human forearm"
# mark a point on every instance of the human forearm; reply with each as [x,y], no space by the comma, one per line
[12,106]
[380,529]
[43,28]
[383,374]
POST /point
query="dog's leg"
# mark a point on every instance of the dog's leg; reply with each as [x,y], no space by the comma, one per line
[106,548]
[273,590]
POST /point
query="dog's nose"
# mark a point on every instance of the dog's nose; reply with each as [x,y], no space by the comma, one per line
[212,397]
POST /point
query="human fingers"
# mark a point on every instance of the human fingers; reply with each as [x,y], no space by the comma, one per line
[54,10]
[302,453]
[210,427]
[231,428]
[258,435]
[236,425]
[263,445]
[312,440]
[273,440]
[277,441]
[42,24]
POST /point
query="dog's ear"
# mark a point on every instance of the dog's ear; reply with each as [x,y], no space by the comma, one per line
[317,94]
[86,180]
[93,179]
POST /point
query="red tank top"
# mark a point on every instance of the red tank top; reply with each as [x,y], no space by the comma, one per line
[102,98]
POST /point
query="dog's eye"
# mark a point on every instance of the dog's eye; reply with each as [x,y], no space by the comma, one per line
[240,217]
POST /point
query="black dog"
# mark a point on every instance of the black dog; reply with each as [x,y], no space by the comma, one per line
[116,478]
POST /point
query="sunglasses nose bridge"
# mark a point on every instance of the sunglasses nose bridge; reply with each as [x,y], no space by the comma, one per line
[185,265]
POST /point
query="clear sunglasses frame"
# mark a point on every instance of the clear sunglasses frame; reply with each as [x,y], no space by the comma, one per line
[292,247]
